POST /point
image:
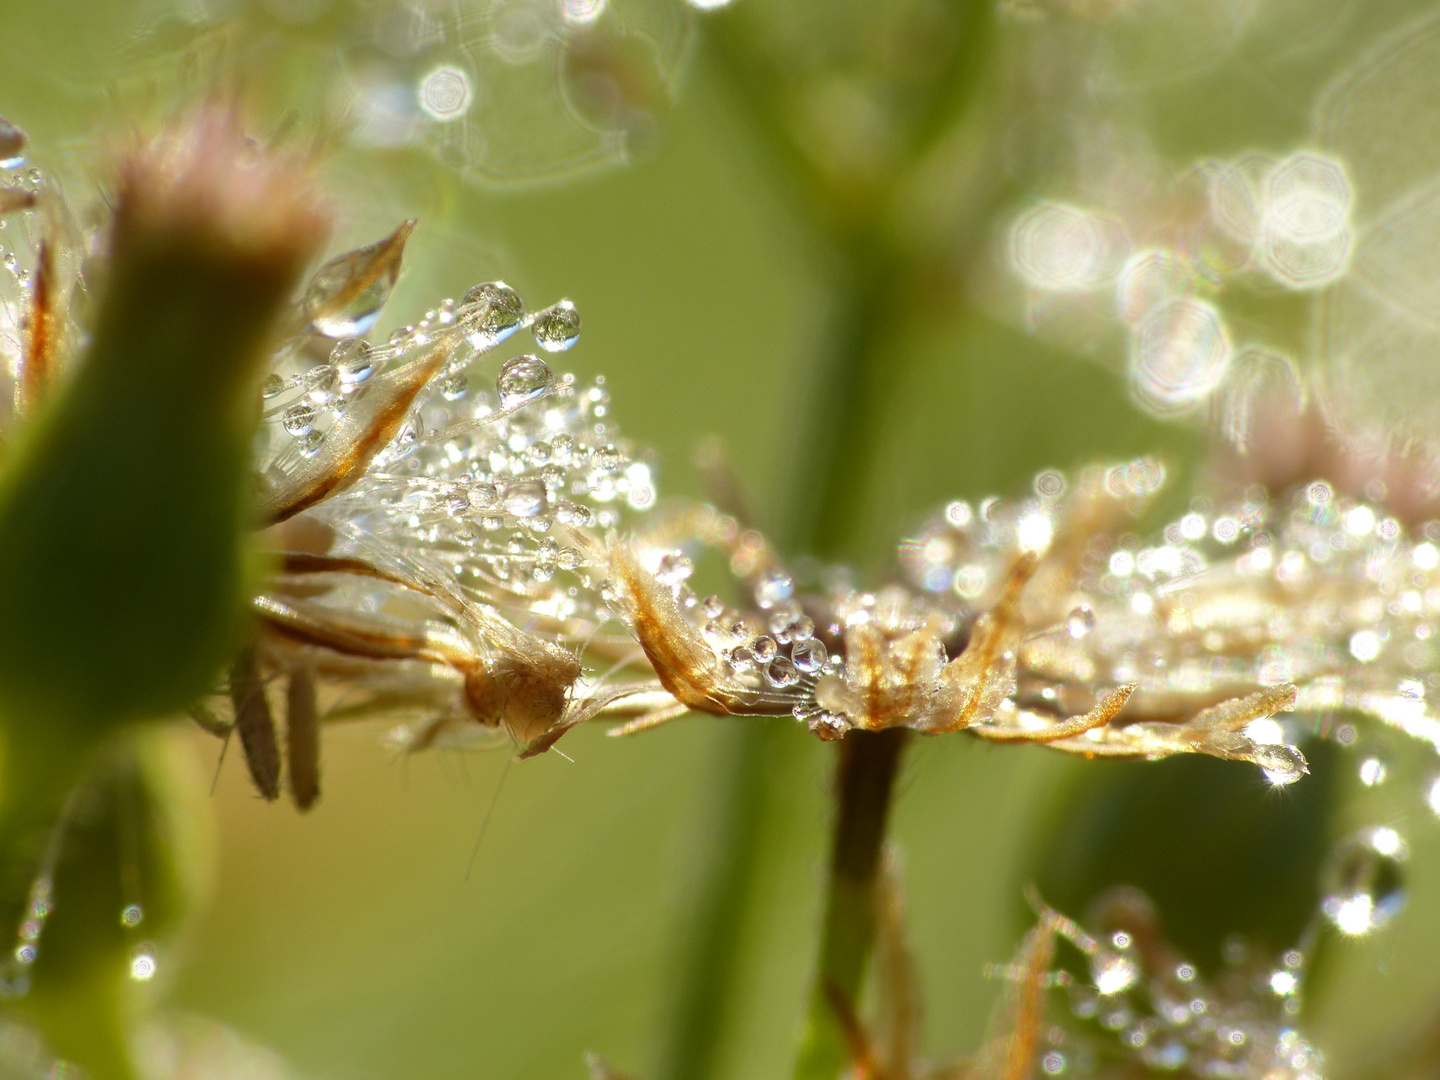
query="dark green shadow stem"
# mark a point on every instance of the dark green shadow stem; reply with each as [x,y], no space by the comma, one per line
[832,460]
[864,783]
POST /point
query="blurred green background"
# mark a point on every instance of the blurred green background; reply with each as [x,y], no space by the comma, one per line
[708,273]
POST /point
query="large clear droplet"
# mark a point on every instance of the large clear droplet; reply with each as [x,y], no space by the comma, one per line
[525,498]
[773,587]
[299,419]
[1080,621]
[492,310]
[522,379]
[453,387]
[354,361]
[809,655]
[1364,882]
[780,672]
[1282,763]
[557,328]
[346,294]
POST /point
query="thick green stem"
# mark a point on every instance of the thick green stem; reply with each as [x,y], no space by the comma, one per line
[865,780]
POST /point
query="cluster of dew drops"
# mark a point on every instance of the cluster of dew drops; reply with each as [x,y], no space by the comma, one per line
[1240,1028]
[474,481]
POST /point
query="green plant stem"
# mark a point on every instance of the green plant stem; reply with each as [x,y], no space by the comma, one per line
[865,780]
[831,462]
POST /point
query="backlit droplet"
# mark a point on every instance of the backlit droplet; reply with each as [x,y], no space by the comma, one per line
[310,443]
[142,963]
[525,498]
[492,310]
[1364,645]
[272,386]
[453,387]
[1364,882]
[1179,356]
[445,93]
[299,419]
[1372,772]
[1113,974]
[773,587]
[1282,764]
[521,379]
[557,328]
[346,294]
[809,655]
[1066,249]
[780,672]
[1080,621]
[354,362]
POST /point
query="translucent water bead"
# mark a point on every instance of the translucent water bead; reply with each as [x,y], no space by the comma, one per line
[522,379]
[491,312]
[345,296]
[557,328]
[1364,882]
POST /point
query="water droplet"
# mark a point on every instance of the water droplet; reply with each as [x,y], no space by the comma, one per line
[557,328]
[321,381]
[492,310]
[1179,356]
[525,498]
[764,648]
[132,915]
[1113,974]
[12,145]
[1065,248]
[522,379]
[773,587]
[1365,645]
[1364,882]
[1282,764]
[780,672]
[453,387]
[142,963]
[569,513]
[346,294]
[445,93]
[299,419]
[1080,621]
[809,655]
[354,361]
[272,386]
[310,443]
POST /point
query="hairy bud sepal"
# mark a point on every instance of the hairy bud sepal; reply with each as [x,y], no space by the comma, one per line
[124,506]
